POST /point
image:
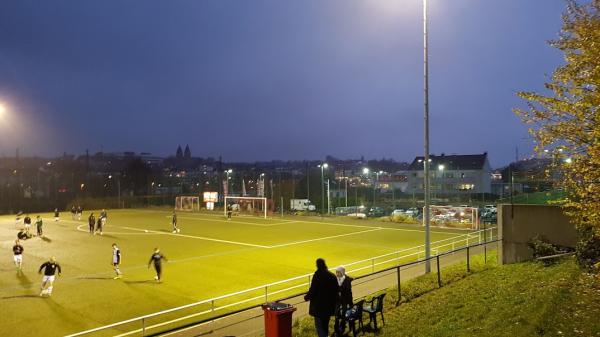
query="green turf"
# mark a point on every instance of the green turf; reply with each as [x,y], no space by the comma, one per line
[210,257]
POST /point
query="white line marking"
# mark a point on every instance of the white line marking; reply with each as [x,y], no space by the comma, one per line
[240,222]
[196,237]
[325,238]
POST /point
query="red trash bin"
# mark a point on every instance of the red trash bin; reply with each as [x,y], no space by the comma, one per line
[278,319]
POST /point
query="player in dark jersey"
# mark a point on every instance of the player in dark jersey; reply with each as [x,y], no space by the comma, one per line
[27,222]
[79,211]
[18,255]
[56,214]
[174,223]
[50,268]
[116,261]
[229,212]
[157,258]
[99,224]
[73,212]
[92,222]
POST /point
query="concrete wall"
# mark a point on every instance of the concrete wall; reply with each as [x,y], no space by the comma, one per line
[517,224]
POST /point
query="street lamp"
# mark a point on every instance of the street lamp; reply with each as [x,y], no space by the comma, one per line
[323,166]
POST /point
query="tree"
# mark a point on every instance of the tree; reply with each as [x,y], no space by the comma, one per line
[566,122]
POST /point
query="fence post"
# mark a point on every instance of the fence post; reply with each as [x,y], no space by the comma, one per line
[468,261]
[399,286]
[143,327]
[266,294]
[438,271]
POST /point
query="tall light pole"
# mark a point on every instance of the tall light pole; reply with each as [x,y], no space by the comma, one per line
[365,172]
[426,220]
[323,166]
[374,185]
[227,173]
[441,169]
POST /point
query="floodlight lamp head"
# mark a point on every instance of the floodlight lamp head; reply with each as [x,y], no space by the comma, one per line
[365,170]
[325,165]
[441,167]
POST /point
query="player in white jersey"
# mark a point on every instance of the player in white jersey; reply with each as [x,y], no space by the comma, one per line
[116,261]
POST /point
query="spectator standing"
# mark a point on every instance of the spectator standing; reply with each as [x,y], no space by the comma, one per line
[322,296]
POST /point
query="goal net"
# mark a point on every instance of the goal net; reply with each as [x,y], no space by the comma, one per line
[254,206]
[187,203]
[454,217]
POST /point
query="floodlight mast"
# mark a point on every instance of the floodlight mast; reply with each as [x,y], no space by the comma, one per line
[426,213]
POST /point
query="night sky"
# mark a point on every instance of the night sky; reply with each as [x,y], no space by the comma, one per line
[270,79]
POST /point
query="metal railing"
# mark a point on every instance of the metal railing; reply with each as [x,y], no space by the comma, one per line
[222,306]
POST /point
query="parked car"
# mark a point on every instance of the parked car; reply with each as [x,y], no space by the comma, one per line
[376,212]
[357,215]
[397,212]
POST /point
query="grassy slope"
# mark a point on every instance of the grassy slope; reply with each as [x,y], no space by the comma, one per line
[525,299]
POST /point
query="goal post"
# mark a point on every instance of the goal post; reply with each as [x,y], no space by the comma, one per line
[187,203]
[454,217]
[256,206]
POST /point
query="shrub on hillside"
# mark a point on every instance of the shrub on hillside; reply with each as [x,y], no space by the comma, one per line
[541,247]
[588,247]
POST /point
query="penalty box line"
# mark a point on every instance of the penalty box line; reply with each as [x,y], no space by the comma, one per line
[180,235]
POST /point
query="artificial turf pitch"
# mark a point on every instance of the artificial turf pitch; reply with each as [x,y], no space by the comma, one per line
[210,257]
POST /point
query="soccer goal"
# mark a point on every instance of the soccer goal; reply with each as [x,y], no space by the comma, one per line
[255,206]
[187,203]
[454,216]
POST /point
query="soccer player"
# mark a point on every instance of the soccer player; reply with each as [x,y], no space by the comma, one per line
[229,212]
[174,223]
[73,212]
[157,258]
[103,217]
[38,224]
[24,234]
[116,261]
[79,211]
[18,218]
[27,222]
[18,255]
[92,222]
[99,225]
[50,268]
[56,215]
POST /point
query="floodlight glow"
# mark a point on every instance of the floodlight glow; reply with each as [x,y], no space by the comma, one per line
[325,165]
[2,110]
[366,170]
[441,167]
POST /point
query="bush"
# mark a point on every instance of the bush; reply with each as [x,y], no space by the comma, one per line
[588,247]
[541,247]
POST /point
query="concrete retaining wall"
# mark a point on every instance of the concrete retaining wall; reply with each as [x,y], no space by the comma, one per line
[517,224]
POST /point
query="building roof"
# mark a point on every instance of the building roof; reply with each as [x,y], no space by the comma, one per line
[452,162]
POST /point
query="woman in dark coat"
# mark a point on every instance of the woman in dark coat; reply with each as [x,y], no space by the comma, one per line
[322,296]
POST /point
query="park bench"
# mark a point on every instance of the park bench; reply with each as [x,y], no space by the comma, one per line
[551,259]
